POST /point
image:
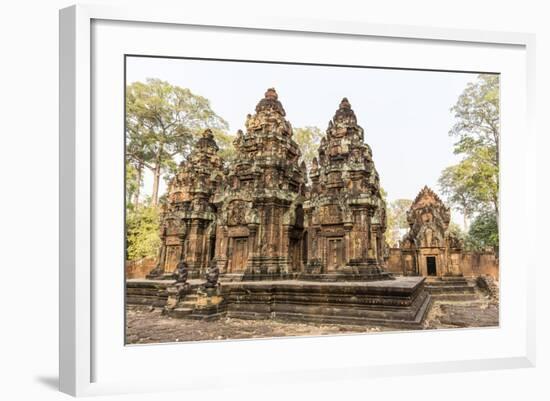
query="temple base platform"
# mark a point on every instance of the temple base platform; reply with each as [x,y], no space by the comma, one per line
[399,303]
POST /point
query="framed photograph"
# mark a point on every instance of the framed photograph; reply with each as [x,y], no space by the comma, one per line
[239,193]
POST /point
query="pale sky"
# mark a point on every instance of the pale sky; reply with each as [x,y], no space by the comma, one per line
[405,114]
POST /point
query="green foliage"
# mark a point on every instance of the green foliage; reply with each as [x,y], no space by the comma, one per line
[162,121]
[483,232]
[142,232]
[471,185]
[308,139]
[225,143]
[456,230]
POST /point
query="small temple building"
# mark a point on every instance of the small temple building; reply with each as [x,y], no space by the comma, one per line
[429,248]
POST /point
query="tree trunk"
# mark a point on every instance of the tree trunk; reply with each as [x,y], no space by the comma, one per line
[139,174]
[495,203]
[465,222]
[156,180]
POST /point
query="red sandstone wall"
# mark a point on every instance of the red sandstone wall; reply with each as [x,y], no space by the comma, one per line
[476,264]
[139,268]
[471,263]
[393,263]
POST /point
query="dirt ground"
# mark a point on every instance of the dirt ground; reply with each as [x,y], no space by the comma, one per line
[147,325]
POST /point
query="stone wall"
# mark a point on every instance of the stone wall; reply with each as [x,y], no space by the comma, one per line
[393,263]
[472,264]
[139,268]
[480,263]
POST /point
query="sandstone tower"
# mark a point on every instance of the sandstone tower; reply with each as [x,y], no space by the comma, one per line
[189,216]
[345,212]
[260,216]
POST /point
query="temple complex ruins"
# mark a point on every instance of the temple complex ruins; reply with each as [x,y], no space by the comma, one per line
[257,239]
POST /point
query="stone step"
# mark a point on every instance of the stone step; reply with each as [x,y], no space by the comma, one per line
[455,297]
[447,278]
[231,277]
[448,285]
[446,282]
[180,312]
[451,289]
[186,304]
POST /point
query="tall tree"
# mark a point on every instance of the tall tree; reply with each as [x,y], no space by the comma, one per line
[162,121]
[477,115]
[472,185]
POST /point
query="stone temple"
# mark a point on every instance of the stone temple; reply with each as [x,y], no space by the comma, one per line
[260,216]
[188,230]
[429,249]
[257,240]
[345,216]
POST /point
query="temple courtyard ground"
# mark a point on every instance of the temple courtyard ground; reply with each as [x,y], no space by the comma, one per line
[146,325]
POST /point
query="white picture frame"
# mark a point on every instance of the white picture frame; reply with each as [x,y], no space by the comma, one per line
[81,342]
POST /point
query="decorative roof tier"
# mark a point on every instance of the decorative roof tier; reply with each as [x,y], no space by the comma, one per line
[267,156]
[429,219]
[198,177]
[345,162]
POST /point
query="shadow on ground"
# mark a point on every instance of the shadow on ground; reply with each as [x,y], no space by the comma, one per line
[52,382]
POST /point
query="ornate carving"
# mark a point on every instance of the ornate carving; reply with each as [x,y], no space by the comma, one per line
[237,213]
[428,219]
[182,272]
[212,275]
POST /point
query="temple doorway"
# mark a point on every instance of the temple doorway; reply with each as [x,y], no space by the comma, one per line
[240,254]
[335,253]
[295,254]
[431,264]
